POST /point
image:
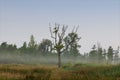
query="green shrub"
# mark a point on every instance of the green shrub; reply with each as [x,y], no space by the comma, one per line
[67,65]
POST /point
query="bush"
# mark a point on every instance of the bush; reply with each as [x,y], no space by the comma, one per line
[67,66]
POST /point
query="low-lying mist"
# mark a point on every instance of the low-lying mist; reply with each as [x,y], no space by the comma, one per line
[49,59]
[8,58]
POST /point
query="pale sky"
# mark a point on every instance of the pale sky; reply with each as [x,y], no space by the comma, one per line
[99,20]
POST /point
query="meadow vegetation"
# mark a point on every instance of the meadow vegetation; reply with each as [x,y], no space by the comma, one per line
[52,72]
[58,59]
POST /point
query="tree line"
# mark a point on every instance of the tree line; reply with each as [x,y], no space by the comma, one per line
[43,48]
[67,46]
[100,55]
[97,53]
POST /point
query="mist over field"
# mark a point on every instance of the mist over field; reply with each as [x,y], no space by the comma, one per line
[47,52]
[59,40]
[52,59]
[8,58]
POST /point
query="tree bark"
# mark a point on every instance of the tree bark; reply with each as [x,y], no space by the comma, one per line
[59,59]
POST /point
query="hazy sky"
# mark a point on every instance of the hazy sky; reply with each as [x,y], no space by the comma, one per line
[99,20]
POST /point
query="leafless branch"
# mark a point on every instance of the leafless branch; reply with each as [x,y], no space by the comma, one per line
[73,29]
[77,29]
[64,28]
[51,33]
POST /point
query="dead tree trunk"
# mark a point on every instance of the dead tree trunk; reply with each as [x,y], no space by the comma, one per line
[58,43]
[59,59]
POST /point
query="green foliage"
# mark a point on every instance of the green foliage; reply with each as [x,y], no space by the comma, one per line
[110,54]
[4,47]
[67,66]
[45,46]
[32,46]
[59,46]
[24,48]
[93,55]
[10,52]
[32,43]
[97,54]
[59,40]
[74,46]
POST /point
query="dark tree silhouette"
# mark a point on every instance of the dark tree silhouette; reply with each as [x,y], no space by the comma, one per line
[45,46]
[58,43]
[110,54]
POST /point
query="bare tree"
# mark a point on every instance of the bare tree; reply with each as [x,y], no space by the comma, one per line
[58,40]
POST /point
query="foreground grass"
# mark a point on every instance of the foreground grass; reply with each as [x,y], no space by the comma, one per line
[68,72]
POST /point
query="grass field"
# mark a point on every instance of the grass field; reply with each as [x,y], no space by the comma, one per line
[67,72]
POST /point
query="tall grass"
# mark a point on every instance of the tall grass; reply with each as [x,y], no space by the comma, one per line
[74,72]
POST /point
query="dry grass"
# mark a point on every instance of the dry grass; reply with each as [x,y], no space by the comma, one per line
[36,72]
